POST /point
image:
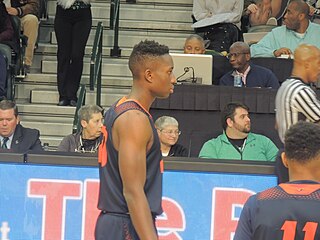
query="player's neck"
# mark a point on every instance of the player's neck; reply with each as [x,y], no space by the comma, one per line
[142,97]
[311,173]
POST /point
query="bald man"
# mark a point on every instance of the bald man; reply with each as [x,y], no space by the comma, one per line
[297,29]
[252,75]
[295,99]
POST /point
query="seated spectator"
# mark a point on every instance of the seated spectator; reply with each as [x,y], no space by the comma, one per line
[284,40]
[237,142]
[27,11]
[289,210]
[12,134]
[194,44]
[218,21]
[168,131]
[6,35]
[88,138]
[258,11]
[252,75]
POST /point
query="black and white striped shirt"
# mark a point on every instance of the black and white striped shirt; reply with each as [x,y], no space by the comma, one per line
[295,101]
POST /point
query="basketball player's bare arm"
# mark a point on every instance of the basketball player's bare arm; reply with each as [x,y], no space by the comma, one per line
[133,137]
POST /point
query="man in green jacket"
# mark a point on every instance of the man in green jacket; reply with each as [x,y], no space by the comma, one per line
[237,142]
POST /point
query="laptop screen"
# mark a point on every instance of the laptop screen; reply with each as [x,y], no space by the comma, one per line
[193,68]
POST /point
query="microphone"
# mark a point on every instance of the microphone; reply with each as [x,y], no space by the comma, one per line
[186,70]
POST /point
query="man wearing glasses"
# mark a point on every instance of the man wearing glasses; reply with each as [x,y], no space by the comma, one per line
[250,74]
[237,142]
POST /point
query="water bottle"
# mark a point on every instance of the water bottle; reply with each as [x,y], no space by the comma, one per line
[237,80]
[46,146]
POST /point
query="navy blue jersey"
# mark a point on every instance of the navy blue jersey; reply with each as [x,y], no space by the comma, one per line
[111,197]
[290,211]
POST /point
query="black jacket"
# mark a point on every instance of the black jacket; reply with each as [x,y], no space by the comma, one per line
[25,139]
[178,150]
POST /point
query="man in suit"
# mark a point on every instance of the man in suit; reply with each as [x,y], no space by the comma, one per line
[12,134]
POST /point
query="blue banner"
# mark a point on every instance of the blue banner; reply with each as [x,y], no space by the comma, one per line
[60,202]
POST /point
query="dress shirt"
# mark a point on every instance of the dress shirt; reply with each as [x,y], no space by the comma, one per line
[8,142]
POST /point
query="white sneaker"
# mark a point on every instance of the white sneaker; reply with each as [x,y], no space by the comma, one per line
[272,21]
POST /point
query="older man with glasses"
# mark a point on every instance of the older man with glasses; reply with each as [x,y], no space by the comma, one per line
[168,131]
[251,75]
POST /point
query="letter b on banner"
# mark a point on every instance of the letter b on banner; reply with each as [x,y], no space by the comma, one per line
[226,206]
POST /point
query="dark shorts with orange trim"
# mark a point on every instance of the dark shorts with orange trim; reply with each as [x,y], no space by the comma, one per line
[115,226]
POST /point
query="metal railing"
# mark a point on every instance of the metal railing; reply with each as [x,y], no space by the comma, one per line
[114,25]
[81,101]
[96,63]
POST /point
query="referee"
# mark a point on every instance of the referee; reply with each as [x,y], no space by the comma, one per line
[295,99]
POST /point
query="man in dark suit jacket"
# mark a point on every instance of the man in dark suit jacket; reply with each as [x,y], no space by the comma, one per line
[252,75]
[12,134]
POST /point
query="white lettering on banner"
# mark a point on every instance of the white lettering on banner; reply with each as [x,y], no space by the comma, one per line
[4,230]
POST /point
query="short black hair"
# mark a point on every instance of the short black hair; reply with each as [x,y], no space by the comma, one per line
[302,142]
[229,112]
[145,51]
[8,104]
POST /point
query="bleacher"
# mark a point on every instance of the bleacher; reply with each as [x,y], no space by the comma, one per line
[37,94]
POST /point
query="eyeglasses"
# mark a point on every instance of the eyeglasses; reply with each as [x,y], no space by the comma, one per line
[170,132]
[230,55]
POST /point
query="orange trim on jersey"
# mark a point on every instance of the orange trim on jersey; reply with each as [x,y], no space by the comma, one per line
[125,99]
[299,189]
[102,150]
[161,166]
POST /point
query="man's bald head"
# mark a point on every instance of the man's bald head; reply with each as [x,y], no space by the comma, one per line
[306,52]
[306,63]
[300,6]
[244,47]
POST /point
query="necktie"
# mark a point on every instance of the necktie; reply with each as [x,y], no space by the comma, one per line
[4,143]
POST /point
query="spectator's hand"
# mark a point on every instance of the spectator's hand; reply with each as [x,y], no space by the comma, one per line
[311,10]
[12,11]
[252,8]
[282,51]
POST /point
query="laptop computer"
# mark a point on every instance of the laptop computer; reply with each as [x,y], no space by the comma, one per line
[193,68]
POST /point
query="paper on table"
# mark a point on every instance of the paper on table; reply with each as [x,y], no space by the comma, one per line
[217,18]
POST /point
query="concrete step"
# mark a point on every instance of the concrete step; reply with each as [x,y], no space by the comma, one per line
[145,25]
[49,96]
[49,128]
[127,39]
[151,2]
[155,13]
[51,79]
[28,109]
[52,141]
[111,67]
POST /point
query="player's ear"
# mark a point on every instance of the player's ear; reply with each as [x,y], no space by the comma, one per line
[284,159]
[148,75]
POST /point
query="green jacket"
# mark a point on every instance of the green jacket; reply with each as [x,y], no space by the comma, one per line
[257,147]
